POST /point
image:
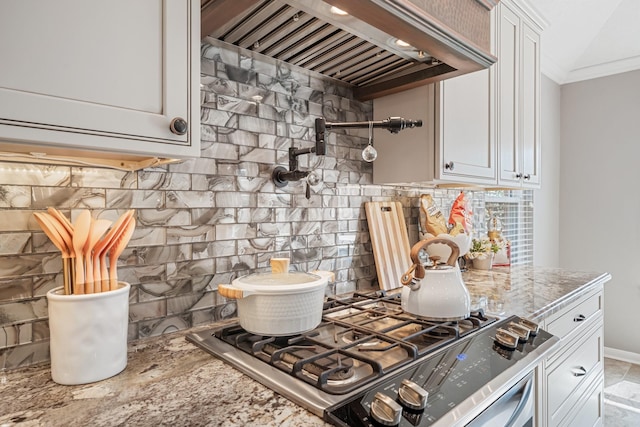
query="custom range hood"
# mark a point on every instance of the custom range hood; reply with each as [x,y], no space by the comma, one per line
[378,46]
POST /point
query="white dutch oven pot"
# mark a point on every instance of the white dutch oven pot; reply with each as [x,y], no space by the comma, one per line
[278,304]
[436,293]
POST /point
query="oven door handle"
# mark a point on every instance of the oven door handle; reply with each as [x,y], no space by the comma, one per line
[514,408]
[524,402]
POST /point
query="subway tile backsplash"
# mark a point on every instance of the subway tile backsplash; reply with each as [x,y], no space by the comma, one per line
[209,220]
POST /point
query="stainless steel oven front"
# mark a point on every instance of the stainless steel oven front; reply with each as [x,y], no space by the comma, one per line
[515,408]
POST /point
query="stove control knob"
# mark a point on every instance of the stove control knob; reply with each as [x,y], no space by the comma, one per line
[521,331]
[507,338]
[385,410]
[412,395]
[531,326]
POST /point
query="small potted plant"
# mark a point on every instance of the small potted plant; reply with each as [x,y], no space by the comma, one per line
[481,253]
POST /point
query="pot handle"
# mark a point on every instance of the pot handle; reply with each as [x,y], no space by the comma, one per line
[329,275]
[230,291]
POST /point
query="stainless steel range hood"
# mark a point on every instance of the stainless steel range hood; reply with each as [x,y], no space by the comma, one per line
[446,38]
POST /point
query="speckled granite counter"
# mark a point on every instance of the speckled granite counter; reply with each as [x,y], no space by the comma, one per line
[529,292]
[169,381]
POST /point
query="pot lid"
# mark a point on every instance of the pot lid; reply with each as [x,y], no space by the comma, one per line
[289,282]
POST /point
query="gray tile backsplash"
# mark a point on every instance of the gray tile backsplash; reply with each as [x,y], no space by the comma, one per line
[208,220]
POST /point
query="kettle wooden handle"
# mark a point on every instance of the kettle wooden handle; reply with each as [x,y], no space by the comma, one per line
[423,244]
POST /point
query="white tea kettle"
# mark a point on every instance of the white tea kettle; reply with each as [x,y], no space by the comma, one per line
[437,293]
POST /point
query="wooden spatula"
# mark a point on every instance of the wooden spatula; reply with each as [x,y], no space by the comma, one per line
[98,228]
[53,234]
[119,244]
[100,272]
[81,229]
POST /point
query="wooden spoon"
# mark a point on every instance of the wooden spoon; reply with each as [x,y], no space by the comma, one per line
[61,219]
[50,230]
[100,273]
[68,257]
[81,229]
[118,246]
[97,229]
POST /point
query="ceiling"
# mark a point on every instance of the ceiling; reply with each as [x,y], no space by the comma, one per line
[586,39]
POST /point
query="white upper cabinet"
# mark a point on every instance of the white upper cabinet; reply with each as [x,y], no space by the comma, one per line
[84,76]
[479,129]
[456,142]
[465,132]
[518,106]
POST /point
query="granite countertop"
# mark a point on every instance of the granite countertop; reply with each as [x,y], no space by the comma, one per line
[532,292]
[169,381]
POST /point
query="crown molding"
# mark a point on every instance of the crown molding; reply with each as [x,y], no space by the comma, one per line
[603,70]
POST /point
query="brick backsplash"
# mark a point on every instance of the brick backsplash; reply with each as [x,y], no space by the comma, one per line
[208,220]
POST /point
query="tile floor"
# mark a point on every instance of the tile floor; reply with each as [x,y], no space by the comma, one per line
[621,394]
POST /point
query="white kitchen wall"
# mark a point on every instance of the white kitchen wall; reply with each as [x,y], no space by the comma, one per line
[546,230]
[599,198]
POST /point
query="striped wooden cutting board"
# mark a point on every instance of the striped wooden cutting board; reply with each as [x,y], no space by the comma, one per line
[390,242]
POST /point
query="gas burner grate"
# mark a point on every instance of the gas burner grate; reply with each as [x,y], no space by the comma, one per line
[359,339]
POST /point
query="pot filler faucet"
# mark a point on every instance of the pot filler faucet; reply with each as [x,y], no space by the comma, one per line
[281,176]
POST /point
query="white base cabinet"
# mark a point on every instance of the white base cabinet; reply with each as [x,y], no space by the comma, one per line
[571,380]
[100,77]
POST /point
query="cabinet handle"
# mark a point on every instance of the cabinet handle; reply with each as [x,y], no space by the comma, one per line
[448,165]
[527,177]
[579,371]
[178,126]
[579,318]
[518,175]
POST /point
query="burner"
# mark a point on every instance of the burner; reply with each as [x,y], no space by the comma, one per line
[439,332]
[335,368]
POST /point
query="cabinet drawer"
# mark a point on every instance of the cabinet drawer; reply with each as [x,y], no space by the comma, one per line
[590,413]
[569,374]
[575,316]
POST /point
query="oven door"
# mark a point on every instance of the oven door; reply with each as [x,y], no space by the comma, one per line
[515,408]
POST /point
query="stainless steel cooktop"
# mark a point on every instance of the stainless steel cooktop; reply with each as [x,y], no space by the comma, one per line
[366,340]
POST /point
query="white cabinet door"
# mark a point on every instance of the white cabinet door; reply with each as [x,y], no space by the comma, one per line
[530,104]
[518,105]
[100,75]
[456,142]
[508,97]
[465,131]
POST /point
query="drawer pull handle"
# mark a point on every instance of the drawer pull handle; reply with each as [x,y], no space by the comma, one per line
[579,371]
[579,318]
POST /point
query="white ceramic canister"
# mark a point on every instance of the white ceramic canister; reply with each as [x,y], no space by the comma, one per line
[88,334]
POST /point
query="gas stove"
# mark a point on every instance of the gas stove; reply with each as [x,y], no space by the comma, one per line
[367,348]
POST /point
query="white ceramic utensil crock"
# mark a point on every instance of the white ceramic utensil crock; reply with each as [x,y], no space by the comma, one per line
[278,304]
[88,334]
[436,293]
